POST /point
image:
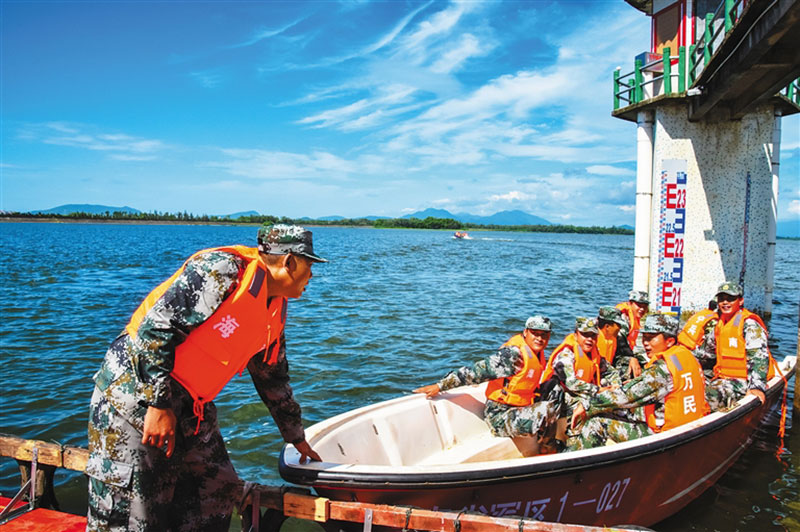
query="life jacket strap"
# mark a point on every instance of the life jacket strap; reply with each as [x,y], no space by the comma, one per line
[198,408]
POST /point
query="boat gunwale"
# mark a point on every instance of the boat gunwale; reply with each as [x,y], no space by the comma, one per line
[541,466]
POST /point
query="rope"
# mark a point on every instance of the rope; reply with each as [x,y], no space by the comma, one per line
[457,523]
[248,487]
[782,424]
[408,518]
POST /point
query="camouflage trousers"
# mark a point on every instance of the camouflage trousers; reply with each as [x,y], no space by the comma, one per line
[723,393]
[136,488]
[596,431]
[512,421]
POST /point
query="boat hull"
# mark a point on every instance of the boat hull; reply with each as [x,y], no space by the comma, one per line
[638,483]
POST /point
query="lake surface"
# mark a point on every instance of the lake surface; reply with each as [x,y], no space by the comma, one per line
[394,309]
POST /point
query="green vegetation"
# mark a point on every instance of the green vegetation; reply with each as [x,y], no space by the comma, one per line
[382,223]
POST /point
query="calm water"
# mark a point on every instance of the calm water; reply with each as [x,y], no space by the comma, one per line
[394,309]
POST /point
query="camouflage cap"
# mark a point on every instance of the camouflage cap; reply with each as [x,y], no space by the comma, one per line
[638,296]
[539,323]
[730,288]
[611,314]
[586,325]
[661,323]
[280,239]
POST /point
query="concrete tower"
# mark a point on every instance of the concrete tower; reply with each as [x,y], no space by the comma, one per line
[707,98]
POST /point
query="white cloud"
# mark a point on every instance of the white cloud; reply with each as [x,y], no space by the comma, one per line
[265,33]
[627,208]
[452,59]
[120,146]
[317,165]
[603,169]
[794,207]
[208,78]
[514,195]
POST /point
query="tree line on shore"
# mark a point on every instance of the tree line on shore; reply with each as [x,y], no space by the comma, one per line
[383,223]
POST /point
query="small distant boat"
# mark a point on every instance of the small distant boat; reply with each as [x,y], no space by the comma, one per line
[438,454]
[462,235]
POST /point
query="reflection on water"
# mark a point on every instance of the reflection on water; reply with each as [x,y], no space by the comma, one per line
[394,309]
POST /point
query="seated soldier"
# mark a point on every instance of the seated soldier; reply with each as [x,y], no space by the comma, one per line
[671,390]
[743,361]
[516,404]
[577,363]
[612,342]
[633,311]
[697,336]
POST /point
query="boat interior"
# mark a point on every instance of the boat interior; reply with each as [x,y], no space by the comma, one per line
[413,430]
[419,432]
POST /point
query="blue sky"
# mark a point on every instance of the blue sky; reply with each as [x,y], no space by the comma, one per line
[326,108]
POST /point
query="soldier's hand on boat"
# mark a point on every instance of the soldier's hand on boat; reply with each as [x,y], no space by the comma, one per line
[759,394]
[159,428]
[578,417]
[429,390]
[306,452]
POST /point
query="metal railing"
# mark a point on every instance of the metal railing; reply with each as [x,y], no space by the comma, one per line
[651,79]
[717,26]
[659,77]
[792,92]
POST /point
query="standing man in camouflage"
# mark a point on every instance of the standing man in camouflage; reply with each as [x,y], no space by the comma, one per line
[157,459]
[670,388]
[516,404]
[739,339]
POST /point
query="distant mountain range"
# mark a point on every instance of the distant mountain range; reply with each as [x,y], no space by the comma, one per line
[786,228]
[239,214]
[515,217]
[87,208]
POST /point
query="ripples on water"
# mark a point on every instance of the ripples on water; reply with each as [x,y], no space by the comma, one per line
[394,309]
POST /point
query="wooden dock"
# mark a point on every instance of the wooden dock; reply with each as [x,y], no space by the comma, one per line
[287,501]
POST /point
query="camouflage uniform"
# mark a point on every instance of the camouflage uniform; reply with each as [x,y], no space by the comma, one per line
[623,353]
[135,487]
[503,419]
[637,351]
[723,393]
[615,413]
[564,367]
[706,350]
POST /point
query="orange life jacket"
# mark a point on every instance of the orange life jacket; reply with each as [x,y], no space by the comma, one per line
[692,333]
[222,346]
[633,321]
[519,389]
[586,368]
[607,347]
[687,401]
[731,353]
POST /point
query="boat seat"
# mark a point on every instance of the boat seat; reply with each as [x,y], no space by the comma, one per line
[484,448]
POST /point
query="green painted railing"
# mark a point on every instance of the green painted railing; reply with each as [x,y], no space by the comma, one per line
[656,78]
[793,92]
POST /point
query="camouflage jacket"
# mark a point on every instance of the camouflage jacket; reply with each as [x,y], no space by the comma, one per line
[564,367]
[142,368]
[706,350]
[506,362]
[638,349]
[755,345]
[650,387]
